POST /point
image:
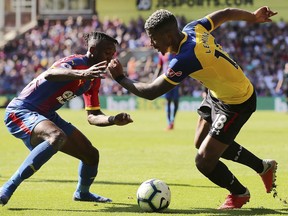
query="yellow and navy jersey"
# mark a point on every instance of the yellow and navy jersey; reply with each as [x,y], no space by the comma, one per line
[201,58]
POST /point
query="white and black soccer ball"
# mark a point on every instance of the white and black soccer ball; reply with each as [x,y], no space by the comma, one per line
[153,195]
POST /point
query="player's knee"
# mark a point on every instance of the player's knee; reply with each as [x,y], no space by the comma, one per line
[92,158]
[57,138]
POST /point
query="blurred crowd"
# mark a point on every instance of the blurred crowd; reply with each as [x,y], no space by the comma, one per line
[261,51]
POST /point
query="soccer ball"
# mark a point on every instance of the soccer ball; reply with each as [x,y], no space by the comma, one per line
[153,195]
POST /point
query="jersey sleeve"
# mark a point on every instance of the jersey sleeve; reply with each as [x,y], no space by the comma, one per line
[63,63]
[177,70]
[206,22]
[70,62]
[91,97]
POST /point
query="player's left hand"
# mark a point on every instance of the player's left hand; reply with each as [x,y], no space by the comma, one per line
[263,14]
[122,119]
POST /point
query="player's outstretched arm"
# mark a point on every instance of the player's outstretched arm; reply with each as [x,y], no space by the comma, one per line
[261,15]
[98,118]
[148,91]
[66,72]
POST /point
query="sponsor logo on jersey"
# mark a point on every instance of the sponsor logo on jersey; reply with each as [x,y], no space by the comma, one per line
[172,73]
[66,96]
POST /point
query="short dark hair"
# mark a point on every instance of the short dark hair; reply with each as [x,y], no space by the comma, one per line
[159,19]
[93,37]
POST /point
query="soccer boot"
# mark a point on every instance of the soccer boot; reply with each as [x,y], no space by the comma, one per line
[4,197]
[233,201]
[90,197]
[170,126]
[269,174]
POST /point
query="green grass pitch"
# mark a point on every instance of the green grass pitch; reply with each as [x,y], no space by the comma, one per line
[134,153]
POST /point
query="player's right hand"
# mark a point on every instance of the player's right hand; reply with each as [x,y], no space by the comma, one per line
[96,71]
[263,14]
[115,68]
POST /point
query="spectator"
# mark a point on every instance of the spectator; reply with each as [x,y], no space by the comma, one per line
[52,40]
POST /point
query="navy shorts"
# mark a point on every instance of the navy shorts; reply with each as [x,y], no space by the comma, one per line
[21,122]
[226,120]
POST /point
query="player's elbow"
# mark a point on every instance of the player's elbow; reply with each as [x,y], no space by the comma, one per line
[48,75]
[152,92]
[151,97]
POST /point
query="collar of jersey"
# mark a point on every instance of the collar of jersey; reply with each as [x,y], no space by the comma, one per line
[183,41]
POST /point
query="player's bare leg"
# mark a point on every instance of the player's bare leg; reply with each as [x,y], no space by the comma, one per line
[53,138]
[266,168]
[80,147]
[208,163]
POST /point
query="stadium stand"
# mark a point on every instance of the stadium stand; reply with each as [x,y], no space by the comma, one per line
[260,49]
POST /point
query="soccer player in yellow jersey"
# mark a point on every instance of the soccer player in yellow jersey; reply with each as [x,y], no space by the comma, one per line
[231,97]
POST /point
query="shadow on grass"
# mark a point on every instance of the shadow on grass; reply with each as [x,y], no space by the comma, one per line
[107,182]
[50,209]
[133,208]
[250,211]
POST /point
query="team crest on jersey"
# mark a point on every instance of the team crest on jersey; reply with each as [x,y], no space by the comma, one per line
[66,65]
[172,73]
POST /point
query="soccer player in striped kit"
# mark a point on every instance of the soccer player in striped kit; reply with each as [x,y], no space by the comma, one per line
[32,116]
